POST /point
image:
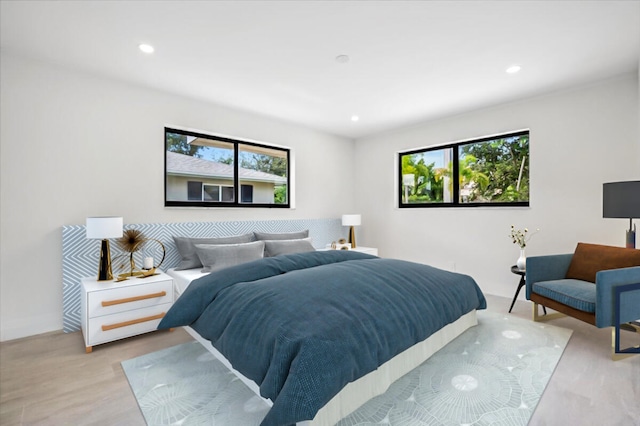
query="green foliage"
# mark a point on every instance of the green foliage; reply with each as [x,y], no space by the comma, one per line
[488,172]
[178,143]
[264,163]
[225,159]
[280,194]
[428,180]
[491,170]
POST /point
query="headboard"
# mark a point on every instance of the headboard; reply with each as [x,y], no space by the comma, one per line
[80,255]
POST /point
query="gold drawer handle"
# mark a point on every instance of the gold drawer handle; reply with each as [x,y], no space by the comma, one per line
[132,322]
[133,299]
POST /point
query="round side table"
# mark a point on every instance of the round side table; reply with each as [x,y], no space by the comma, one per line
[522,273]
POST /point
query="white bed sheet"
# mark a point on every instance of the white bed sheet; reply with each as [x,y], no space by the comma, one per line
[182,279]
[356,393]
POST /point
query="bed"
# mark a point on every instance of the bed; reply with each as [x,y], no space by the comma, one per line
[320,333]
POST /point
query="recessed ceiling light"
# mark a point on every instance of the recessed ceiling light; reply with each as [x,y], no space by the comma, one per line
[513,69]
[355,118]
[342,59]
[146,48]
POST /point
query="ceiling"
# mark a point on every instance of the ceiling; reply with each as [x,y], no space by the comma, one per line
[408,61]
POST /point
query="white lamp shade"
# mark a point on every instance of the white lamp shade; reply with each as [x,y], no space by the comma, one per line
[104,227]
[351,219]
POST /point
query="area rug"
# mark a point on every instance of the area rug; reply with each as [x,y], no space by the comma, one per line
[492,374]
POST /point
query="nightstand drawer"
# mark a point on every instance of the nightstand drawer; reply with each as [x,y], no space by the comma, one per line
[130,297]
[124,324]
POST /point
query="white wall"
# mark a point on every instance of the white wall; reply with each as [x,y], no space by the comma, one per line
[579,139]
[75,145]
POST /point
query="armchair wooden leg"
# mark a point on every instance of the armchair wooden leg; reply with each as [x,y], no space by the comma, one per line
[546,317]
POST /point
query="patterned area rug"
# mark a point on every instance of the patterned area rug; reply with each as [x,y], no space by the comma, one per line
[493,373]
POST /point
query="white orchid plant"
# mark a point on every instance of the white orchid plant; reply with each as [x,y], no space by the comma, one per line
[520,237]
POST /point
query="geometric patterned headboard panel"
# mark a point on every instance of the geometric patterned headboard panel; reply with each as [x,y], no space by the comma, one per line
[80,255]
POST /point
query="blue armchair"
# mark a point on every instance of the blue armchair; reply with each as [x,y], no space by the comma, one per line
[609,300]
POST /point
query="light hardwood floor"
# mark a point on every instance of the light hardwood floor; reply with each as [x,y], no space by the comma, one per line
[49,380]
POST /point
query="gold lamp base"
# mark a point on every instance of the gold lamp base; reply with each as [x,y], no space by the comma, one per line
[352,236]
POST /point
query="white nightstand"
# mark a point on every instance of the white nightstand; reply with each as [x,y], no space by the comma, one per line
[368,250]
[114,310]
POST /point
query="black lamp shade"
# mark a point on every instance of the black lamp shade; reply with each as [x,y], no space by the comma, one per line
[621,199]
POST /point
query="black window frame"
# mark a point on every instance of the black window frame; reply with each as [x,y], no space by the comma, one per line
[236,179]
[456,172]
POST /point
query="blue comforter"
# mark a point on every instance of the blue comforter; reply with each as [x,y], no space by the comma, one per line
[304,325]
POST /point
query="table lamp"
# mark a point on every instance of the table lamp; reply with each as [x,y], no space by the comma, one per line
[622,200]
[103,228]
[351,220]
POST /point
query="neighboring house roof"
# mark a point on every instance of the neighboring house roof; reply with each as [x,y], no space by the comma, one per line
[186,165]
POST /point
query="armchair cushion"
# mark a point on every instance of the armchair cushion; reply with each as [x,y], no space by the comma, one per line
[578,294]
[588,259]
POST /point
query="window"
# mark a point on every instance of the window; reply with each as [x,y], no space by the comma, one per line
[246,193]
[217,193]
[207,171]
[492,171]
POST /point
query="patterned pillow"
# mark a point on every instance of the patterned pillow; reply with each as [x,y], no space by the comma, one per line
[215,257]
[188,257]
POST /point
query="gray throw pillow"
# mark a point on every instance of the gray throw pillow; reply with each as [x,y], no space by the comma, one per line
[278,247]
[215,257]
[188,257]
[261,236]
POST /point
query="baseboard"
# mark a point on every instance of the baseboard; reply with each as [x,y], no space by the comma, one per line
[33,326]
